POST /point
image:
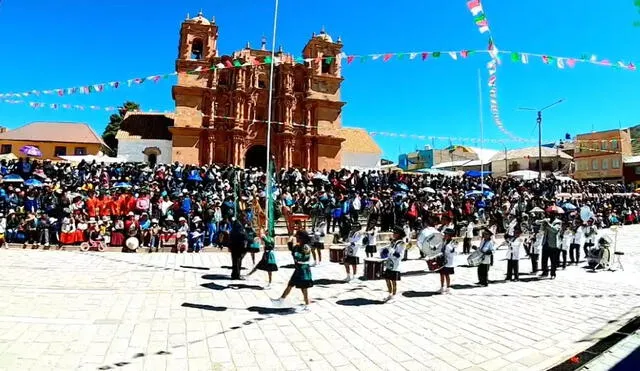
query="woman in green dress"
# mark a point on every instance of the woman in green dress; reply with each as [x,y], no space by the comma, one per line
[268,262]
[301,277]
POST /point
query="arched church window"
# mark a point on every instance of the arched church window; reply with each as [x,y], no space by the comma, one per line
[197,49]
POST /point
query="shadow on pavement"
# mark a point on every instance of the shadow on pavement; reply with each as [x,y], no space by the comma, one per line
[204,307]
[326,282]
[216,277]
[359,302]
[419,294]
[228,267]
[190,267]
[233,286]
[266,310]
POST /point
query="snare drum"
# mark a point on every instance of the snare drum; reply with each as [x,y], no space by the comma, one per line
[435,263]
[475,258]
[336,254]
[373,268]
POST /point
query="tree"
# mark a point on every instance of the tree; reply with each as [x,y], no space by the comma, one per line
[109,135]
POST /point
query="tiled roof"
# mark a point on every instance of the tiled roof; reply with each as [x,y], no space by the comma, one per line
[357,141]
[142,125]
[65,132]
[531,152]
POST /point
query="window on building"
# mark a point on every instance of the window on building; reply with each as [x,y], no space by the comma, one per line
[326,66]
[80,151]
[614,144]
[594,164]
[6,148]
[615,163]
[60,151]
[196,49]
[603,145]
[637,170]
[605,164]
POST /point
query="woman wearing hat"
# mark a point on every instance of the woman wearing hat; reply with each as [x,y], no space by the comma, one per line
[301,277]
[448,251]
[487,248]
[392,263]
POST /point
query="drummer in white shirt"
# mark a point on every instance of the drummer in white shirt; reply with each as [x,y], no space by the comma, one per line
[468,236]
[486,248]
[536,247]
[515,247]
[448,250]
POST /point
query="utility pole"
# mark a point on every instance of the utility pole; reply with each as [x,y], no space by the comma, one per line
[506,161]
[539,123]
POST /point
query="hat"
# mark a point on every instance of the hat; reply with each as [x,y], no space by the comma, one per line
[169,218]
[154,220]
[130,213]
[182,219]
[92,220]
[399,231]
[449,231]
[197,219]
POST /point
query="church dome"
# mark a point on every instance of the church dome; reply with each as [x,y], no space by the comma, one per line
[200,19]
[324,36]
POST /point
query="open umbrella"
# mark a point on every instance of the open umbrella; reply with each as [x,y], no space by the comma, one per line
[402,187]
[122,185]
[33,183]
[484,186]
[321,177]
[31,151]
[555,209]
[473,194]
[429,190]
[569,206]
[12,178]
[194,177]
[489,194]
[536,210]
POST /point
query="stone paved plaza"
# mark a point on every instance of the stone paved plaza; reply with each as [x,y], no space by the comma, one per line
[112,311]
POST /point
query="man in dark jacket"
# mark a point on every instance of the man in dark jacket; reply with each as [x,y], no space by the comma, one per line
[238,247]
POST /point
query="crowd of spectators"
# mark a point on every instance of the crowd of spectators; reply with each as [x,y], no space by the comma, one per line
[45,203]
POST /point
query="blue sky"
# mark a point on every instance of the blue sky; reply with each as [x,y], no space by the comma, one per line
[66,43]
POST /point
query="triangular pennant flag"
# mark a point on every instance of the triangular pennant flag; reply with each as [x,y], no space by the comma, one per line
[267,60]
[299,60]
[453,55]
[515,57]
[571,62]
[114,84]
[464,53]
[605,62]
[474,6]
[593,58]
[631,66]
[363,59]
[350,59]
[524,58]
[375,56]
[436,54]
[228,64]
[198,69]
[425,55]
[545,59]
[387,57]
[255,61]
[479,18]
[219,66]
[237,63]
[329,60]
[560,63]
[412,55]
[483,29]
[400,55]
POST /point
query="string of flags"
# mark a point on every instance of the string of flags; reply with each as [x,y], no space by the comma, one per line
[455,55]
[481,21]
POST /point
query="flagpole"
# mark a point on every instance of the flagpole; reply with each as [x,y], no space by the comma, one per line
[269,114]
[481,131]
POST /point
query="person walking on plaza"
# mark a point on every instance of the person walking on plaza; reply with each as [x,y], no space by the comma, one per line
[515,247]
[268,262]
[486,248]
[576,244]
[301,277]
[238,247]
[550,248]
[448,251]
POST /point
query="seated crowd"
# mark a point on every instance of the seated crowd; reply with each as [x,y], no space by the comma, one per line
[45,203]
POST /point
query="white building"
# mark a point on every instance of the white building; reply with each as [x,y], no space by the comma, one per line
[145,138]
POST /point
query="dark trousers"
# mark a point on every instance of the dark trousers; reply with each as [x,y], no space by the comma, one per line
[466,245]
[563,254]
[574,253]
[555,260]
[236,263]
[534,262]
[544,263]
[586,248]
[483,274]
[513,269]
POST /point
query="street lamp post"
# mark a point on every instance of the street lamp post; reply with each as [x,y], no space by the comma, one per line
[539,123]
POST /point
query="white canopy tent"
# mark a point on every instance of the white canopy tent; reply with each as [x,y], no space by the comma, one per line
[97,158]
[525,174]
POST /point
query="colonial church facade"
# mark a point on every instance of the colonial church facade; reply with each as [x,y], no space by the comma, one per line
[220,113]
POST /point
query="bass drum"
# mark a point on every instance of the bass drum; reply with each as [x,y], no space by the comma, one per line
[429,239]
[132,243]
[475,258]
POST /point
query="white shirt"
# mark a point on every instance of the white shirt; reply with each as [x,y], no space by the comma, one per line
[487,248]
[449,251]
[373,238]
[393,262]
[515,247]
[590,234]
[578,237]
[470,228]
[537,243]
[567,239]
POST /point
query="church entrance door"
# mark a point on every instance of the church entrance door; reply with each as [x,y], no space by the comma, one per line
[256,156]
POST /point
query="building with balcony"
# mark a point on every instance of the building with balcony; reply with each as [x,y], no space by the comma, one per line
[599,155]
